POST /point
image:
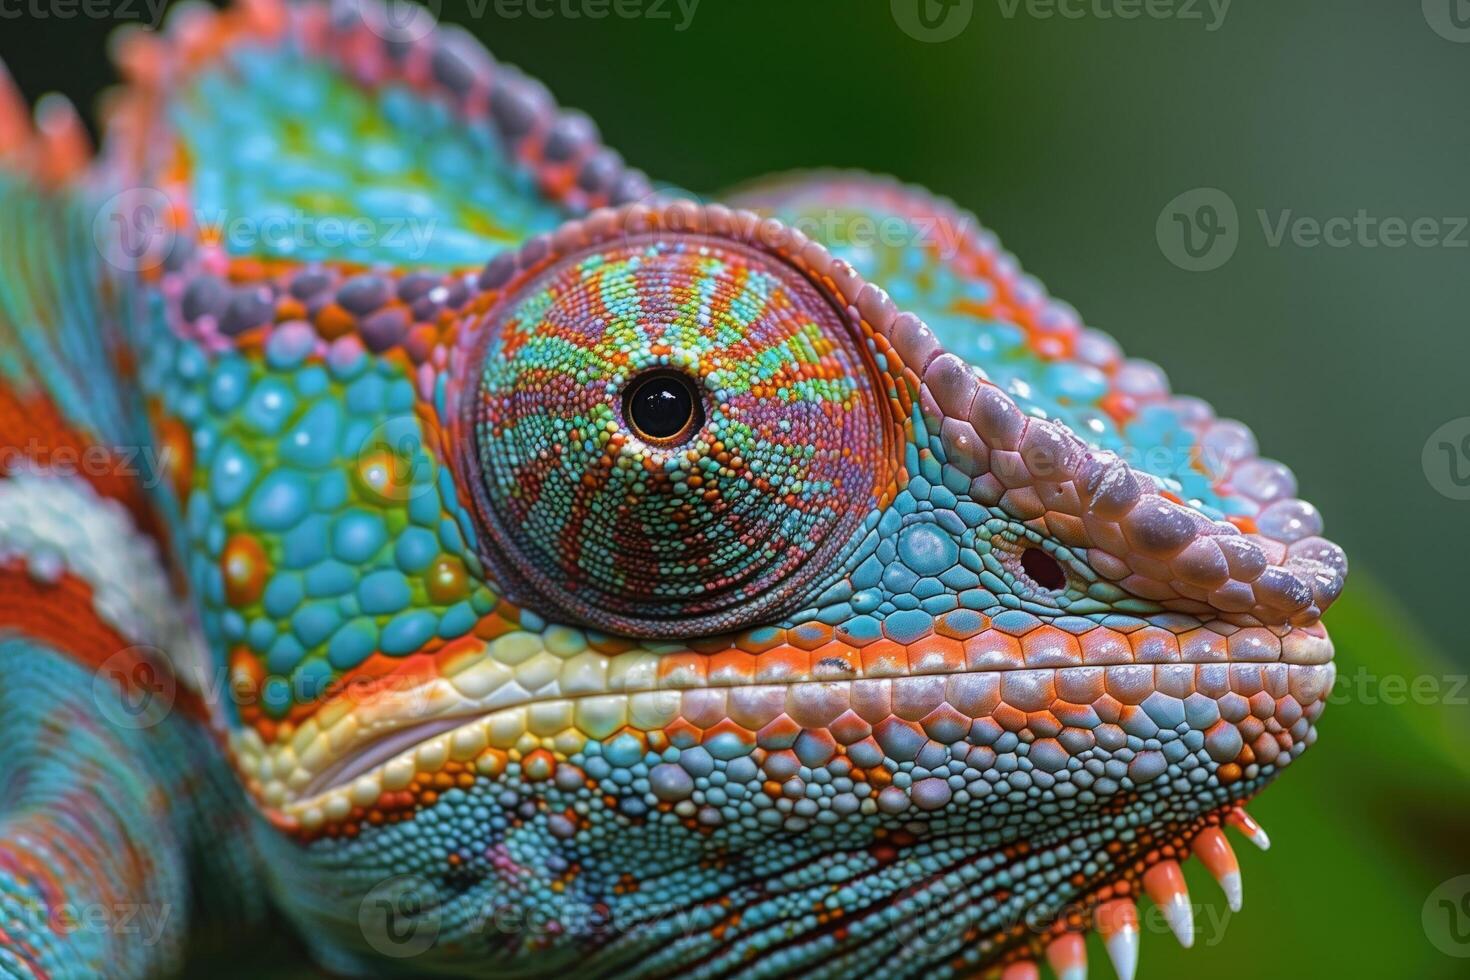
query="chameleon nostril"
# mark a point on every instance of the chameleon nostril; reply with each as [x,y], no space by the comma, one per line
[1044,570]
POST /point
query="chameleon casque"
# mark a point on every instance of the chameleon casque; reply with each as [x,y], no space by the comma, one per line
[597,582]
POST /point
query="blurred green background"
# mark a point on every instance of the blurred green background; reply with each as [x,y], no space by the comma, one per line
[1069,135]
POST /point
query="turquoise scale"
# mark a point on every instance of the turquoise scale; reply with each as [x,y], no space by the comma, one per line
[292,162]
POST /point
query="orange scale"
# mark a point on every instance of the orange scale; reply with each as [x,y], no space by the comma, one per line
[1051,347]
[420,343]
[1154,645]
[779,733]
[939,723]
[1043,724]
[752,642]
[731,667]
[992,650]
[252,341]
[1010,718]
[685,729]
[245,568]
[176,452]
[290,308]
[1071,712]
[727,727]
[937,654]
[1049,646]
[603,643]
[835,657]
[332,322]
[689,667]
[1105,647]
[849,728]
[246,270]
[959,626]
[784,663]
[1247,525]
[1068,529]
[885,658]
[1119,406]
[878,777]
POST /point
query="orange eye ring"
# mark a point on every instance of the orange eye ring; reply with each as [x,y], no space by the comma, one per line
[663,407]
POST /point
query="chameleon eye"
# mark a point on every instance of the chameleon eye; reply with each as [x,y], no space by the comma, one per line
[662,407]
[672,436]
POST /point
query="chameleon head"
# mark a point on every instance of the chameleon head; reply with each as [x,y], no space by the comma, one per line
[732,615]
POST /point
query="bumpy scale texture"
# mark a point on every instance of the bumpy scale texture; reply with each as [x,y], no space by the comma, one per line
[931,635]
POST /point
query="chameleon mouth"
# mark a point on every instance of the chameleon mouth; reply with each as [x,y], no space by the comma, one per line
[527,707]
[1253,694]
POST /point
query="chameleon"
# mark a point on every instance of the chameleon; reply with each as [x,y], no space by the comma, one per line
[423,533]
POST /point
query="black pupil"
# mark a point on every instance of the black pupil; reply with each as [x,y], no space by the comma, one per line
[1044,570]
[662,406]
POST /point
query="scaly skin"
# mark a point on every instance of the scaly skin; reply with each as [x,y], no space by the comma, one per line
[939,635]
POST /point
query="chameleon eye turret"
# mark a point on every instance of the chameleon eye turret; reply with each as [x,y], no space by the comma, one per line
[673,435]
